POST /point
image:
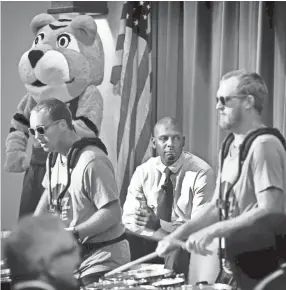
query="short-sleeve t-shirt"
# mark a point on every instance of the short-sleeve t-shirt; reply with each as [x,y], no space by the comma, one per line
[264,168]
[92,186]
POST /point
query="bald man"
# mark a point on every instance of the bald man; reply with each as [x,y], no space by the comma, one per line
[165,192]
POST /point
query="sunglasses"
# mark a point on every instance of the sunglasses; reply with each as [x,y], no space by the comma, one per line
[226,99]
[41,130]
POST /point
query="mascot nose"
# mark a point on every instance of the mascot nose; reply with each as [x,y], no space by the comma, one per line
[34,56]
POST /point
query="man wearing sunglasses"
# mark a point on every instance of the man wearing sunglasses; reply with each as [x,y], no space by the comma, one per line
[41,254]
[90,205]
[261,187]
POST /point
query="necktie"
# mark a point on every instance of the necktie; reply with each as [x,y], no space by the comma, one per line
[165,206]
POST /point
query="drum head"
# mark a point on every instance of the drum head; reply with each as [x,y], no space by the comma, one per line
[169,282]
[216,286]
[118,286]
[5,274]
[112,284]
[142,273]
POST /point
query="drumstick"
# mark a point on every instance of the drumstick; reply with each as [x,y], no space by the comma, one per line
[131,264]
[171,241]
[158,239]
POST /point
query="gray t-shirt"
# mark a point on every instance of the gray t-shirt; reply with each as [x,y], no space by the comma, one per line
[92,187]
[264,167]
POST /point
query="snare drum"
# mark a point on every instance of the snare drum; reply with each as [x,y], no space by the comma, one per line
[6,284]
[5,279]
[117,286]
[216,286]
[145,275]
[112,284]
[169,283]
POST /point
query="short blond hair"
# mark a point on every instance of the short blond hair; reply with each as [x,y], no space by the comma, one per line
[250,84]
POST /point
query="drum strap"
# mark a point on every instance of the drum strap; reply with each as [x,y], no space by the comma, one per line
[89,248]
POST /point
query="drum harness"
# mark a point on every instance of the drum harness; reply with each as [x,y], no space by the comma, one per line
[56,208]
[224,204]
[71,162]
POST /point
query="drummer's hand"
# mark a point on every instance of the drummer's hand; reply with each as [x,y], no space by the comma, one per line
[164,247]
[200,240]
[147,219]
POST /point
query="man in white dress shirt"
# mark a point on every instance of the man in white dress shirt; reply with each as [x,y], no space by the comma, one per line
[165,192]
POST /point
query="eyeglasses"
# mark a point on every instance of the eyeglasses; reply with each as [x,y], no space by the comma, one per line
[226,99]
[41,130]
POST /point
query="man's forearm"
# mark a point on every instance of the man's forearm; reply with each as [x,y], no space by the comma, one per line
[242,221]
[203,218]
[100,221]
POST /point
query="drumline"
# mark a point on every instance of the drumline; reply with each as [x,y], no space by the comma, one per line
[152,279]
[139,277]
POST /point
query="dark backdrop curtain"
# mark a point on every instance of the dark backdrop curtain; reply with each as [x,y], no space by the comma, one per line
[197,42]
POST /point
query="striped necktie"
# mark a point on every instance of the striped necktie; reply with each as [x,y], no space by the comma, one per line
[164,209]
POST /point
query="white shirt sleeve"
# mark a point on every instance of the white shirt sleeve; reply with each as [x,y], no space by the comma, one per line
[135,189]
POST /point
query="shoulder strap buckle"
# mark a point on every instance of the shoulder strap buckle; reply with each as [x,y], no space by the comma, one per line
[222,204]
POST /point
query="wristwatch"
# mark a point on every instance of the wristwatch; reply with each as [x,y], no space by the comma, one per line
[76,235]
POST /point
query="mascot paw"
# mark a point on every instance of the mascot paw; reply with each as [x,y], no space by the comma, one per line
[16,162]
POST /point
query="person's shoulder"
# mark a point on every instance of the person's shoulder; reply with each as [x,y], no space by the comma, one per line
[267,141]
[94,154]
[148,165]
[195,163]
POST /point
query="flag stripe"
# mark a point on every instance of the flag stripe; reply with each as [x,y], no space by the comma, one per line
[143,142]
[143,95]
[124,10]
[143,72]
[115,74]
[143,108]
[126,92]
[140,150]
[124,150]
[120,42]
[131,75]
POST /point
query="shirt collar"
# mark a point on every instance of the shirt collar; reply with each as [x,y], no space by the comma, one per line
[175,167]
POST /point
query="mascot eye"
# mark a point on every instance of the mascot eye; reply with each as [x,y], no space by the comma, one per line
[63,40]
[68,41]
[39,38]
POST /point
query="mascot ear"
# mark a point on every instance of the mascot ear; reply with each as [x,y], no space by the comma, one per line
[84,29]
[40,21]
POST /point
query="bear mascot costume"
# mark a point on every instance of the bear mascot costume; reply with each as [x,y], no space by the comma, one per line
[66,61]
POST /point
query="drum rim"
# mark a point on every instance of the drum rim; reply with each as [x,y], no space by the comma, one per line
[133,274]
[201,286]
[182,280]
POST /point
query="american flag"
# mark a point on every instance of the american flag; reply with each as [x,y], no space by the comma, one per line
[131,76]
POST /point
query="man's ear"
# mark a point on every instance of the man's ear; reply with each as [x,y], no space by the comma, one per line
[63,125]
[153,142]
[250,102]
[183,141]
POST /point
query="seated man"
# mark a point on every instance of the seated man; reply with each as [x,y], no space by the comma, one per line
[88,201]
[41,254]
[165,192]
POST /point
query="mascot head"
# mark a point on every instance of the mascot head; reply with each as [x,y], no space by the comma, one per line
[66,57]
